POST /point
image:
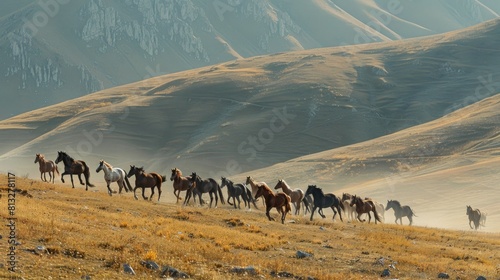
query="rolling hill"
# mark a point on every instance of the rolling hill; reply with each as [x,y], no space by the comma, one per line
[234,117]
[54,51]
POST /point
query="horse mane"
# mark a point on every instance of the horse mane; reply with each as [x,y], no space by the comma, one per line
[107,164]
[68,156]
[399,204]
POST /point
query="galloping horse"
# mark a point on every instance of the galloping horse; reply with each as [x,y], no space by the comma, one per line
[146,180]
[255,186]
[474,216]
[380,208]
[295,195]
[234,191]
[346,200]
[322,200]
[400,211]
[280,201]
[46,166]
[365,206]
[72,166]
[114,174]
[180,183]
[209,186]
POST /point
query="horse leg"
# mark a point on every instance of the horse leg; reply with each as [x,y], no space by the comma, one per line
[340,213]
[71,176]
[211,199]
[312,212]
[144,196]
[109,189]
[411,219]
[320,211]
[239,202]
[159,192]
[268,209]
[51,176]
[135,196]
[80,177]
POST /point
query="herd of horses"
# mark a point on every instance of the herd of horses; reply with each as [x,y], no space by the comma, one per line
[312,199]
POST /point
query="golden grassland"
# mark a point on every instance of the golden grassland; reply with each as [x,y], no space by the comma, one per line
[93,234]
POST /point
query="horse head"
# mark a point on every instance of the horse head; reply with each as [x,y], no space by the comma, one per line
[279,184]
[354,199]
[249,179]
[175,173]
[37,158]
[224,182]
[60,156]
[132,171]
[99,168]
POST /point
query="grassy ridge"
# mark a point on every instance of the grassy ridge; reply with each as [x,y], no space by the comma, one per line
[90,233]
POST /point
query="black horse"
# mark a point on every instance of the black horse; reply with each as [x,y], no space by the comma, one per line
[209,186]
[322,200]
[72,166]
[235,191]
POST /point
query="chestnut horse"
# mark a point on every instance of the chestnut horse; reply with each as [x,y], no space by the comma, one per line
[280,201]
[146,180]
[180,183]
[365,206]
[46,166]
[296,195]
[72,166]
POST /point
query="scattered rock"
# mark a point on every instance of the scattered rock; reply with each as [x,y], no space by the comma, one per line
[321,228]
[86,277]
[386,273]
[244,270]
[443,275]
[128,269]
[380,261]
[172,272]
[282,274]
[39,250]
[481,278]
[151,265]
[302,254]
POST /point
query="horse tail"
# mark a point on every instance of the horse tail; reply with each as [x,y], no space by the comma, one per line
[341,203]
[412,213]
[127,182]
[288,208]
[57,169]
[375,211]
[86,173]
[219,189]
[163,178]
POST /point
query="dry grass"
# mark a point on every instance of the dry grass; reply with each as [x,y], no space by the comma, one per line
[90,233]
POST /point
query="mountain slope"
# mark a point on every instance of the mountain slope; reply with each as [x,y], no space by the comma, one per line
[251,113]
[55,50]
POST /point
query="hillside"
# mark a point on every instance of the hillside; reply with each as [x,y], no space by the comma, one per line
[69,233]
[54,51]
[250,113]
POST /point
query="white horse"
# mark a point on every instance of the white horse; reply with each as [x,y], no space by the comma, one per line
[114,174]
[351,210]
[482,218]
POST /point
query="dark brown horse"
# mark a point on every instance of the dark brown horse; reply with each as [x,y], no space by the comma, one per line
[474,216]
[322,200]
[209,186]
[180,183]
[280,201]
[72,166]
[46,166]
[365,206]
[146,180]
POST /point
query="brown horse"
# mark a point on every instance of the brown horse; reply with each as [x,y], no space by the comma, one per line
[46,166]
[295,195]
[255,186]
[474,216]
[72,166]
[280,201]
[146,180]
[364,206]
[180,183]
